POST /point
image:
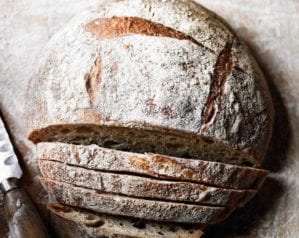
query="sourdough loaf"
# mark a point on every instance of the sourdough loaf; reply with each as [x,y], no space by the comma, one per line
[148,209]
[153,76]
[166,87]
[101,225]
[153,165]
[141,187]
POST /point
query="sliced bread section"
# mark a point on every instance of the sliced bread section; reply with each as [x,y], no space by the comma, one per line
[136,186]
[132,207]
[154,165]
[97,225]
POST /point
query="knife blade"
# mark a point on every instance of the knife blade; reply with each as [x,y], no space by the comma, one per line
[9,165]
[21,215]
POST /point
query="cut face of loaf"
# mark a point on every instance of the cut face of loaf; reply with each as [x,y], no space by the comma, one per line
[168,78]
[141,187]
[153,165]
[101,225]
[133,207]
[140,140]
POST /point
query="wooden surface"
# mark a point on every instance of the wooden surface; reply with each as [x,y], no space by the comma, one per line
[271,28]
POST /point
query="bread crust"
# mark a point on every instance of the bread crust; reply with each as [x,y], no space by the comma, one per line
[212,89]
[153,165]
[132,207]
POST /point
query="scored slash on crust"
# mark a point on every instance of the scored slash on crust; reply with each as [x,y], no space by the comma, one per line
[121,26]
[223,69]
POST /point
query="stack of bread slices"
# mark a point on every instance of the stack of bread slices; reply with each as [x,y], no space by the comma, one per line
[151,120]
[146,186]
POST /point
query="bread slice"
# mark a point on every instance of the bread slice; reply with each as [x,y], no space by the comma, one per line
[136,186]
[98,225]
[134,207]
[155,140]
[153,165]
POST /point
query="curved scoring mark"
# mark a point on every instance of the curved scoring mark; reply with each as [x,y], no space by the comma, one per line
[93,80]
[222,70]
[120,26]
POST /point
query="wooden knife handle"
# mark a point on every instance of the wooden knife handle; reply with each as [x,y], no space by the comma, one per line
[22,217]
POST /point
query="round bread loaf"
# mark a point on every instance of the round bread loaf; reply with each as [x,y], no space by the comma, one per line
[167,77]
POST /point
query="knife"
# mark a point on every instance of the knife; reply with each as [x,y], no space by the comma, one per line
[21,214]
